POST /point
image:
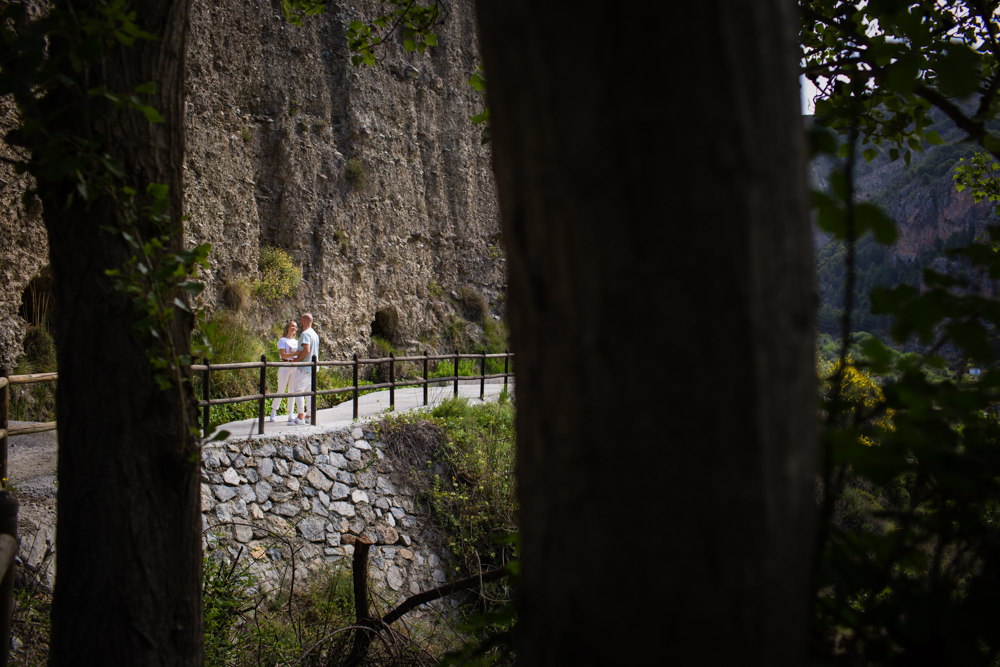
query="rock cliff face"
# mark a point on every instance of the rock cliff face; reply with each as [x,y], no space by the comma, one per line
[926,213]
[275,114]
[23,247]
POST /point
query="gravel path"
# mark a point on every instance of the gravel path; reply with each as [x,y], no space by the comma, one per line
[31,468]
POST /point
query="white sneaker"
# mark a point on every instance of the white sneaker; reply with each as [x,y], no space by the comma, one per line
[299,421]
[271,418]
[291,420]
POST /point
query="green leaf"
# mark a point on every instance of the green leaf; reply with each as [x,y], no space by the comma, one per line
[157,190]
[933,138]
[870,216]
[972,338]
[902,75]
[113,165]
[152,115]
[821,141]
[869,154]
[409,44]
[830,216]
[957,70]
[878,353]
[146,88]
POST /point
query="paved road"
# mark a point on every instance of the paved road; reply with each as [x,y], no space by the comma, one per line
[370,407]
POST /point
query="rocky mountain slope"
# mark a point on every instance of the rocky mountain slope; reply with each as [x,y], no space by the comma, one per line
[373,179]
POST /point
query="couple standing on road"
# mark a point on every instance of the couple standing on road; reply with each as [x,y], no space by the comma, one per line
[295,380]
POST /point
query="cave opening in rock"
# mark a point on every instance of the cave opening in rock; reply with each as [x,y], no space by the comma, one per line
[37,302]
[384,325]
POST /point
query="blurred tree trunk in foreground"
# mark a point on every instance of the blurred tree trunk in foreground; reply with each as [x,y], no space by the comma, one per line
[652,185]
[128,583]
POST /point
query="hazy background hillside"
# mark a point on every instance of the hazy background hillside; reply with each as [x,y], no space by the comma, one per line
[930,215]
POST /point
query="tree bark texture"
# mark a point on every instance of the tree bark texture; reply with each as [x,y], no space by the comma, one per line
[128,584]
[653,196]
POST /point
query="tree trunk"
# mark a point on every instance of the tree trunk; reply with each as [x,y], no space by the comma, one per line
[651,174]
[128,584]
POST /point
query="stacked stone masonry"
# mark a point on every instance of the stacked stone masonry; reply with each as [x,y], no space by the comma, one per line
[284,504]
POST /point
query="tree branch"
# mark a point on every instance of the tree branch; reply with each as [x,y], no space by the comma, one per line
[443,591]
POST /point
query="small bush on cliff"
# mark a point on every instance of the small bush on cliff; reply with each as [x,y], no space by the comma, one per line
[471,303]
[235,293]
[40,349]
[279,275]
[355,174]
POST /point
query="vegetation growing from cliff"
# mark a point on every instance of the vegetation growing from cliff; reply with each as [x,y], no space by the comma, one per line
[280,276]
[875,266]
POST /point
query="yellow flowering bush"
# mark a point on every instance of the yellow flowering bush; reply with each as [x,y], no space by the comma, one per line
[860,390]
[279,275]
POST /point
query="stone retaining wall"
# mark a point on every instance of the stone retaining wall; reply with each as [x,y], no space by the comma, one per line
[283,504]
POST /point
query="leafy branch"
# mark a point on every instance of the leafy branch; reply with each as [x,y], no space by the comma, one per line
[36,60]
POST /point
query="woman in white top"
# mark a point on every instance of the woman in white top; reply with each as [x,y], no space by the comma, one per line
[287,349]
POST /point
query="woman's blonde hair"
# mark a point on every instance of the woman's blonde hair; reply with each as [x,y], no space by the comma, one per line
[288,325]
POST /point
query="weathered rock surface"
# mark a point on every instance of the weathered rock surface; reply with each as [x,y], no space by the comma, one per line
[273,115]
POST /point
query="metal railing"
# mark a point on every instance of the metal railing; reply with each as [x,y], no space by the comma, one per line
[355,388]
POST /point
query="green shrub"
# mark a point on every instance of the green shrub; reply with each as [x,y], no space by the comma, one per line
[235,293]
[355,174]
[40,349]
[226,592]
[461,461]
[472,303]
[279,275]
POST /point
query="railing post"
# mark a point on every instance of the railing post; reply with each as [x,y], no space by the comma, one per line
[506,365]
[392,381]
[207,410]
[263,390]
[8,525]
[425,377]
[482,377]
[4,423]
[456,372]
[355,385]
[312,398]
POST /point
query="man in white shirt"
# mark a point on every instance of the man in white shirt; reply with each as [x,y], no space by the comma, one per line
[308,348]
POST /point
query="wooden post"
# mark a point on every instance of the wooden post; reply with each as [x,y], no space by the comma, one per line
[206,411]
[8,526]
[263,390]
[506,365]
[312,399]
[355,385]
[482,377]
[4,424]
[365,632]
[456,372]
[392,381]
[425,377]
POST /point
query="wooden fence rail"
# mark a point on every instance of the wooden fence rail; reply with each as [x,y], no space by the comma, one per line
[8,503]
[355,388]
